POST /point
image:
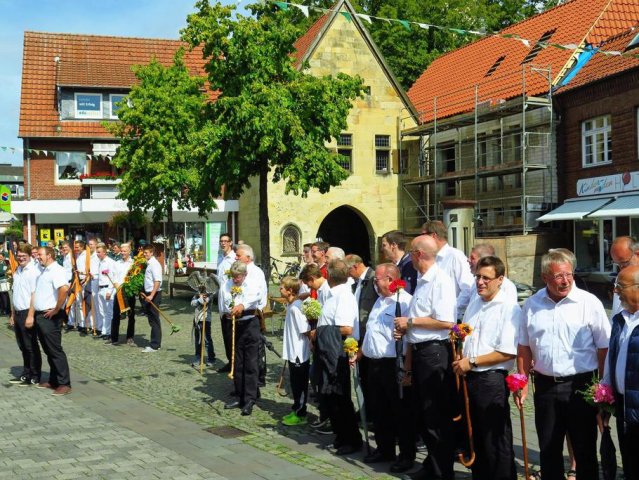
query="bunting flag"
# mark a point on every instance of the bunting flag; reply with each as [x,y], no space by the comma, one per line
[53,153]
[406,24]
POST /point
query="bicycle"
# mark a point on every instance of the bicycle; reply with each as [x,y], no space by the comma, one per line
[292,269]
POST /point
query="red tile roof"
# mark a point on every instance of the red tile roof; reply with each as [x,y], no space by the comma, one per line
[303,44]
[602,66]
[449,82]
[88,61]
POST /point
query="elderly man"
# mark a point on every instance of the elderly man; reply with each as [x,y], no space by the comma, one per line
[564,334]
[486,250]
[452,261]
[228,257]
[391,415]
[624,252]
[394,248]
[122,267]
[489,354]
[622,365]
[106,292]
[430,316]
[241,295]
[46,304]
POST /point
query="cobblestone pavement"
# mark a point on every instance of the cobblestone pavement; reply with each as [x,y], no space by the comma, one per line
[146,415]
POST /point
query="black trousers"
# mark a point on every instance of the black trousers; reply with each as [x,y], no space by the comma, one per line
[628,440]
[492,428]
[247,341]
[27,339]
[226,326]
[433,389]
[393,418]
[340,409]
[560,409]
[5,304]
[261,364]
[208,341]
[50,336]
[298,374]
[117,317]
[154,320]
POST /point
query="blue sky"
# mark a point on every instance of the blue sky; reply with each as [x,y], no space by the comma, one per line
[133,18]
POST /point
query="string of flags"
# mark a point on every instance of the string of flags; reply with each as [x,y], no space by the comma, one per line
[54,153]
[408,25]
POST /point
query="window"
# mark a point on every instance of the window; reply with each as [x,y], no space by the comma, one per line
[114,99]
[596,141]
[291,240]
[541,43]
[492,69]
[382,153]
[70,165]
[88,105]
[345,151]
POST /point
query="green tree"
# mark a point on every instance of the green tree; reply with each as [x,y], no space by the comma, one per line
[270,117]
[157,119]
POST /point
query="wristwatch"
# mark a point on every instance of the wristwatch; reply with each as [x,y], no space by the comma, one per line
[409,323]
[473,362]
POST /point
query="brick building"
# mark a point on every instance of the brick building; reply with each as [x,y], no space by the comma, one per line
[597,142]
[71,84]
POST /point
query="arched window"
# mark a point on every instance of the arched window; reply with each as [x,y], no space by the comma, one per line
[291,240]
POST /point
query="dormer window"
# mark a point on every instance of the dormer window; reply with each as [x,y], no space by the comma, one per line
[114,101]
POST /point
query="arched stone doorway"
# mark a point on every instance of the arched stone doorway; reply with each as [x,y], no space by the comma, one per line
[346,228]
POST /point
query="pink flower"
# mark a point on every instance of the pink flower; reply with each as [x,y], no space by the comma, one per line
[104,272]
[516,381]
[603,394]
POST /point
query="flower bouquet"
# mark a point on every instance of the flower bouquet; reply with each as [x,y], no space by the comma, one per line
[599,395]
[459,332]
[350,347]
[312,309]
[134,280]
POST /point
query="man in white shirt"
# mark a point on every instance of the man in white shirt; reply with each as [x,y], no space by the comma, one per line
[392,416]
[624,252]
[431,314]
[24,283]
[337,321]
[45,312]
[152,294]
[481,250]
[226,247]
[622,367]
[92,286]
[242,306]
[77,311]
[565,332]
[106,292]
[452,261]
[122,267]
[489,354]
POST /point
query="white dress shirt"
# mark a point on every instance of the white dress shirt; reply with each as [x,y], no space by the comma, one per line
[495,329]
[95,272]
[507,286]
[631,322]
[296,345]
[224,265]
[255,276]
[81,265]
[617,307]
[454,262]
[564,336]
[378,340]
[153,273]
[47,284]
[323,292]
[249,298]
[24,284]
[68,267]
[340,309]
[106,279]
[434,297]
[121,269]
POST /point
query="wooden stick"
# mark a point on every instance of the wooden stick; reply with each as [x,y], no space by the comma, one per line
[202,336]
[523,436]
[232,348]
[280,383]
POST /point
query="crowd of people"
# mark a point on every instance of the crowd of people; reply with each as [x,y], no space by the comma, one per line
[402,309]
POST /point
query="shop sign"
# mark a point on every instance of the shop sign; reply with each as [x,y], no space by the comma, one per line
[618,183]
[45,234]
[58,235]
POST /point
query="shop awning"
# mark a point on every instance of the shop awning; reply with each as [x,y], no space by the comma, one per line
[574,209]
[627,206]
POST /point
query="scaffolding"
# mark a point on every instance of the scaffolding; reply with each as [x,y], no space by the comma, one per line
[498,153]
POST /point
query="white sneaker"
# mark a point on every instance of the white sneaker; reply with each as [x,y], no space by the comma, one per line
[149,349]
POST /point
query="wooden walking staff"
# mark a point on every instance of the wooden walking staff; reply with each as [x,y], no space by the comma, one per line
[202,337]
[232,372]
[118,295]
[174,327]
[516,382]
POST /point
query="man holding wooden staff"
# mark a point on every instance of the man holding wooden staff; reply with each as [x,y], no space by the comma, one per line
[122,302]
[152,295]
[106,292]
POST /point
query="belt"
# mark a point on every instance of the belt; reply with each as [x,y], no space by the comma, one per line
[569,378]
[245,313]
[421,345]
[105,286]
[501,371]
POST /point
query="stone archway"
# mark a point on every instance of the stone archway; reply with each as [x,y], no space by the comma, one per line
[346,228]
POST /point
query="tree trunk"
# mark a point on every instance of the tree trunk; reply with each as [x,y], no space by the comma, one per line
[168,254]
[265,245]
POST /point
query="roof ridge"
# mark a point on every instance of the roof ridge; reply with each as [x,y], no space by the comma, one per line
[92,35]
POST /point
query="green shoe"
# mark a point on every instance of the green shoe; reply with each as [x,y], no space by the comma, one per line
[286,417]
[294,420]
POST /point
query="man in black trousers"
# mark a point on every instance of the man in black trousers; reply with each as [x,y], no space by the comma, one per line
[46,313]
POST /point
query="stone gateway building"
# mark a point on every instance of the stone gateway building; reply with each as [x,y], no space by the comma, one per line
[356,213]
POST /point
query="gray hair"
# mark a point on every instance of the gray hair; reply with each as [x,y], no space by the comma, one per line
[238,268]
[247,249]
[557,256]
[336,253]
[484,250]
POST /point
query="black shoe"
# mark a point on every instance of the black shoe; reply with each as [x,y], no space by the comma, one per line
[68,328]
[82,331]
[233,404]
[348,449]
[420,446]
[28,382]
[248,408]
[18,380]
[234,393]
[420,474]
[402,465]
[378,457]
[319,423]
[225,369]
[326,429]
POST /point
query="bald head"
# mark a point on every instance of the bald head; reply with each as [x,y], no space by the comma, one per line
[627,286]
[625,252]
[423,251]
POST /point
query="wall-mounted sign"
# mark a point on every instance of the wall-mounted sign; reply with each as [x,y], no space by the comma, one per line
[88,105]
[618,183]
[45,234]
[58,235]
[5,198]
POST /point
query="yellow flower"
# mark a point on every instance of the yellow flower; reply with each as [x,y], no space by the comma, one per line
[350,347]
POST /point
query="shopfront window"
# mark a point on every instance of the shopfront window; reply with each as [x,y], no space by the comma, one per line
[634,227]
[592,245]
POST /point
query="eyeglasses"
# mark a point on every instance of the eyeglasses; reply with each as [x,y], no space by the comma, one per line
[562,276]
[379,279]
[624,264]
[620,288]
[483,278]
[225,241]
